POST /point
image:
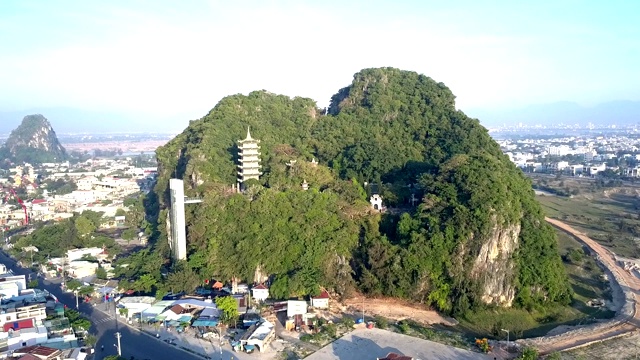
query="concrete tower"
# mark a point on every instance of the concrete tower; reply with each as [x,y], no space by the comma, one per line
[249,159]
[178,238]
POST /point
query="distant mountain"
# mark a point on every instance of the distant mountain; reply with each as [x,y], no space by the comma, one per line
[34,141]
[619,113]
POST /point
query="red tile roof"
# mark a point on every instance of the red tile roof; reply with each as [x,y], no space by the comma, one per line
[394,356]
[29,357]
[323,295]
[39,201]
[177,309]
[261,287]
[37,350]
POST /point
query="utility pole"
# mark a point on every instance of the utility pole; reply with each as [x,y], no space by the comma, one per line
[507,331]
[76,292]
[363,309]
[118,346]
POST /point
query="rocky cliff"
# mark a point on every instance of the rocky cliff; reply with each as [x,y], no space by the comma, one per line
[34,141]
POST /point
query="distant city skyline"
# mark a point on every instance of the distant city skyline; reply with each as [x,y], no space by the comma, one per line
[158,64]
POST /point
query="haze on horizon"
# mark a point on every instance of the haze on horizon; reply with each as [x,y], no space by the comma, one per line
[158,64]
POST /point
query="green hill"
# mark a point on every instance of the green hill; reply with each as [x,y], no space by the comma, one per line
[474,236]
[34,141]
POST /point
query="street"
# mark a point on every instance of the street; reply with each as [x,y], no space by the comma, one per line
[134,344]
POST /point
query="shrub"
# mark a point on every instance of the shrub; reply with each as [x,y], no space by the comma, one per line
[381,322]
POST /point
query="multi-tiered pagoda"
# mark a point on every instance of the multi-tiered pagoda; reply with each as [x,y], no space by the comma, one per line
[249,159]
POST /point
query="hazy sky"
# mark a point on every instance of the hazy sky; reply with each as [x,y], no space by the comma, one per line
[176,59]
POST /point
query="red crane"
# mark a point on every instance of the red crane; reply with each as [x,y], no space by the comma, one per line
[24,207]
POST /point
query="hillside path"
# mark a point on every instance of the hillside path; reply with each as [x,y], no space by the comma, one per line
[627,281]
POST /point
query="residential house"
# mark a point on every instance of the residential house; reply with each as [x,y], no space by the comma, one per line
[38,352]
[136,304]
[77,254]
[259,335]
[260,293]
[321,301]
[595,169]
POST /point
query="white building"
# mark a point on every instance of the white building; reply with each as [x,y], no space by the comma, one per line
[259,335]
[12,285]
[321,301]
[77,254]
[249,159]
[260,293]
[136,304]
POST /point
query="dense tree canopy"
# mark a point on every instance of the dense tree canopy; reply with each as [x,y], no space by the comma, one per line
[397,130]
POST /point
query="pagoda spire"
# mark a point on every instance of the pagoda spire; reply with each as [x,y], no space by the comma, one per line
[248,134]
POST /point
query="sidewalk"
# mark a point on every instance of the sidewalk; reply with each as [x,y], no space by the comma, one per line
[207,349]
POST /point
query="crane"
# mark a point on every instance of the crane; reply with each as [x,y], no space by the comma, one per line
[24,207]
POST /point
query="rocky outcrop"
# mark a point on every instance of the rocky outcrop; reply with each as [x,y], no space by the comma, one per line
[494,267]
[34,141]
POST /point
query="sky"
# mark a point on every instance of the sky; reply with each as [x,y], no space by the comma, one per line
[167,62]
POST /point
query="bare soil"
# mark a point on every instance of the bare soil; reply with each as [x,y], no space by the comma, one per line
[395,309]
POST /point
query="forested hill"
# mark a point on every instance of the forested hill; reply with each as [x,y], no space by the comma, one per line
[33,141]
[472,235]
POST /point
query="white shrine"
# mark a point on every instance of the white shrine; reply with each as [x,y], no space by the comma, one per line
[376,202]
[249,159]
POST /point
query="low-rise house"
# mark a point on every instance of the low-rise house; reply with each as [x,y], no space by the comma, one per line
[259,335]
[321,301]
[38,352]
[136,304]
[260,293]
[80,269]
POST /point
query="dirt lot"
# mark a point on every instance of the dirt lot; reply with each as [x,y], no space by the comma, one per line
[395,309]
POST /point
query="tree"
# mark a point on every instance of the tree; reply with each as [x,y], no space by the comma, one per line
[90,340]
[74,284]
[229,308]
[85,290]
[145,283]
[33,284]
[84,226]
[129,234]
[114,357]
[101,273]
[121,212]
[529,353]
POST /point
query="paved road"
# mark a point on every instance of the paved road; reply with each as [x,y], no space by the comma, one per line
[134,344]
[628,282]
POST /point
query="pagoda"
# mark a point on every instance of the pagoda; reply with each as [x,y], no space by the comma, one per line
[249,159]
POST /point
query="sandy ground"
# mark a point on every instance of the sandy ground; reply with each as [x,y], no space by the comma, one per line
[625,322]
[395,309]
[363,343]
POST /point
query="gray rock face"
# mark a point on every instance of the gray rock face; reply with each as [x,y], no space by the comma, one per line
[494,266]
[34,141]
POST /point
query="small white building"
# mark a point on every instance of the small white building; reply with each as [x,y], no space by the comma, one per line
[81,269]
[136,304]
[376,202]
[260,293]
[259,335]
[321,301]
[77,254]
